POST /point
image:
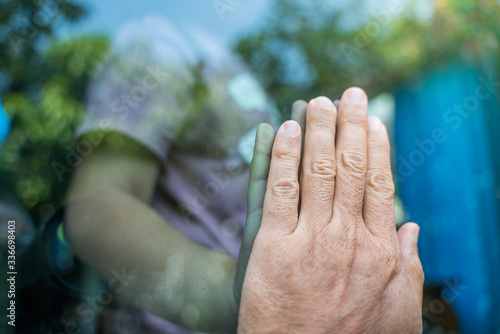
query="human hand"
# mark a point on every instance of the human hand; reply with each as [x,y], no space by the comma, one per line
[257,184]
[338,265]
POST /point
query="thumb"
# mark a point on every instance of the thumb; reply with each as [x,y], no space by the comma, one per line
[408,238]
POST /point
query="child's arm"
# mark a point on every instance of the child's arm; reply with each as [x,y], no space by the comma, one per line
[113,229]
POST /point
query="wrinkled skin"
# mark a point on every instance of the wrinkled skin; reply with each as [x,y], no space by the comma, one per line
[257,184]
[337,264]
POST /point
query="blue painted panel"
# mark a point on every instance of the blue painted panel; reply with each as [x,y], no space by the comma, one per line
[446,180]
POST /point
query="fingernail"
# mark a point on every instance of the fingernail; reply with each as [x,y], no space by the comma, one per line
[374,123]
[292,128]
[263,132]
[323,103]
[356,95]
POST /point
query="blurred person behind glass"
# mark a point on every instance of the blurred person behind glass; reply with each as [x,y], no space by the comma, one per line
[160,194]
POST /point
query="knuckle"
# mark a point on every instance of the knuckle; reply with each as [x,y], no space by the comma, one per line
[323,168]
[382,183]
[355,117]
[285,188]
[324,124]
[354,162]
[283,155]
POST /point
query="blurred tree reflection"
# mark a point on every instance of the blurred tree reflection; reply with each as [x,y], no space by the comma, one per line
[43,90]
[306,49]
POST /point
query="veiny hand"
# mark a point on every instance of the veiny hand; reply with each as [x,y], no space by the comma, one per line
[338,265]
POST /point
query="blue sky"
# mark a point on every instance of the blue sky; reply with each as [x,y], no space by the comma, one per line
[109,16]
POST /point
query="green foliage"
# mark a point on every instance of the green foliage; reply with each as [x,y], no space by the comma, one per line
[310,48]
[24,25]
[43,91]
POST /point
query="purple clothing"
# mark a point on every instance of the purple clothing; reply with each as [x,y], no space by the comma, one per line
[196,107]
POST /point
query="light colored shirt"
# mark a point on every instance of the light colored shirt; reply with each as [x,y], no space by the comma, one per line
[196,107]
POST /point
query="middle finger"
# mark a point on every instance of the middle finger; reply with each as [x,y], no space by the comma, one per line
[351,155]
[318,168]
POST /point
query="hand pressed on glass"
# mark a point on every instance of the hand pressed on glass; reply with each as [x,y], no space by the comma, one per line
[338,265]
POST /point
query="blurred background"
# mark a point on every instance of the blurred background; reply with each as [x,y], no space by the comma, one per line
[430,68]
